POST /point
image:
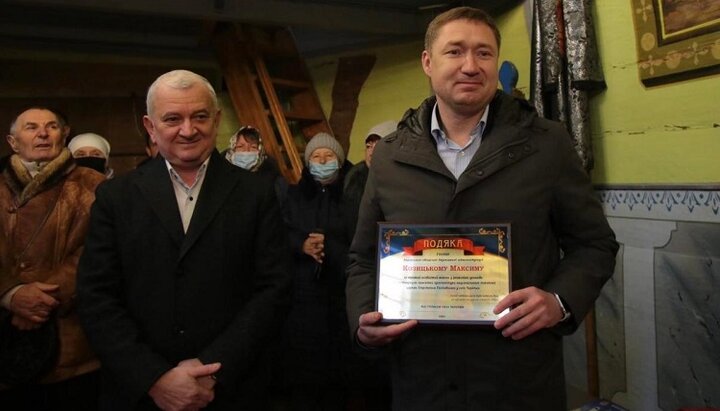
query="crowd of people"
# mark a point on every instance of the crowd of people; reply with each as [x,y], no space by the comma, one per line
[202,280]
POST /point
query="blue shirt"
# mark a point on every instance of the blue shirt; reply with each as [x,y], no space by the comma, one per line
[457,158]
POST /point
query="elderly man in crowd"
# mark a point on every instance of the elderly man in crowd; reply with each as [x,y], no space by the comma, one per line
[354,184]
[45,202]
[184,279]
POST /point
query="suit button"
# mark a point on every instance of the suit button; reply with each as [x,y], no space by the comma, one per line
[23,265]
[479,172]
[179,331]
[511,155]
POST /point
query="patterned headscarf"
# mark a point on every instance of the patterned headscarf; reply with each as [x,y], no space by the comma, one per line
[253,134]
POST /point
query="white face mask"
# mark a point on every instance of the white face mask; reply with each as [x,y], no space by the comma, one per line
[245,159]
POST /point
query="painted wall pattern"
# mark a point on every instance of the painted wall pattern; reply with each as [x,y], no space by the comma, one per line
[685,204]
[658,318]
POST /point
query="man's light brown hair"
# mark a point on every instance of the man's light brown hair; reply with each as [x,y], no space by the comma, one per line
[459,13]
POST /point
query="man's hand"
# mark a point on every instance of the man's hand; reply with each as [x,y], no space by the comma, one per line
[373,334]
[179,390]
[207,381]
[33,303]
[314,245]
[22,324]
[532,309]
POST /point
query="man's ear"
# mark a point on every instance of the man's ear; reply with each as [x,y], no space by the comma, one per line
[218,117]
[149,127]
[425,60]
[13,143]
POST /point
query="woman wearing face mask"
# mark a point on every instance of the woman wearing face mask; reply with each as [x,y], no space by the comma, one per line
[246,151]
[316,346]
[92,151]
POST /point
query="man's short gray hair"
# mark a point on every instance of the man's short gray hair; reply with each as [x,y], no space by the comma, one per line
[181,80]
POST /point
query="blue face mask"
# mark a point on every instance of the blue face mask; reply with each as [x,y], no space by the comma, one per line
[323,171]
[245,159]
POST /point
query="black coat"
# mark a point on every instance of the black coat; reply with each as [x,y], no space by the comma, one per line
[151,296]
[354,186]
[316,342]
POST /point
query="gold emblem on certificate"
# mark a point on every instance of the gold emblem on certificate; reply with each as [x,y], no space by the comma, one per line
[442,273]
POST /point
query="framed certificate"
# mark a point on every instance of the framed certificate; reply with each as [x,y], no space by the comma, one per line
[442,273]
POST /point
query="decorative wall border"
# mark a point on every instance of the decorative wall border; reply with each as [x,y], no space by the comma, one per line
[672,203]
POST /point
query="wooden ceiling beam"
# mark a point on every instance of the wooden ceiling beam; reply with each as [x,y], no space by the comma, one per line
[323,15]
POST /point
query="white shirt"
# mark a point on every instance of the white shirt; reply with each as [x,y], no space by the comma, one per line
[185,195]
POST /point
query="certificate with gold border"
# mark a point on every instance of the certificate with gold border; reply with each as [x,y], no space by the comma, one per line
[452,274]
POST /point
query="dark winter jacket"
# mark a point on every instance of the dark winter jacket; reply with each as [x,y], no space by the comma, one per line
[354,186]
[316,342]
[525,172]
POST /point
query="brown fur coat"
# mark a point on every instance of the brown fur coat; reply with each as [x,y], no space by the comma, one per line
[61,196]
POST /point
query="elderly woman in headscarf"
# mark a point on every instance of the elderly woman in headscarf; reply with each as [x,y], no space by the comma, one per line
[316,342]
[246,151]
[92,151]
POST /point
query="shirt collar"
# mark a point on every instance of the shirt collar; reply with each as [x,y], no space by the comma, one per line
[198,176]
[439,135]
[34,167]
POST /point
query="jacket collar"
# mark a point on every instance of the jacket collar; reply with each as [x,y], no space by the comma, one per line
[25,187]
[508,118]
[155,185]
[416,144]
[220,179]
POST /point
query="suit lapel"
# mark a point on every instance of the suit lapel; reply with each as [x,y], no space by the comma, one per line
[220,178]
[155,185]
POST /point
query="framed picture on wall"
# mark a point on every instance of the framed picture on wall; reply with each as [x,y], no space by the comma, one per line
[676,39]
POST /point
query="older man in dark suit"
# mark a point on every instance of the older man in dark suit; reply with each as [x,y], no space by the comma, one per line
[184,279]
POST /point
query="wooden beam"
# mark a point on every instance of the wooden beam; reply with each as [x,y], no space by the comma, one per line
[235,63]
[351,75]
[335,16]
[278,114]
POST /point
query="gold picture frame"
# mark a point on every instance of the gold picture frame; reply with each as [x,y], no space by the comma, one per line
[676,39]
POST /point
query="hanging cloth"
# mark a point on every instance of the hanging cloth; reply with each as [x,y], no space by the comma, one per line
[565,69]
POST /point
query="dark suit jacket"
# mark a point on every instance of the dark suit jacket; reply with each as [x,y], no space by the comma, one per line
[151,296]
